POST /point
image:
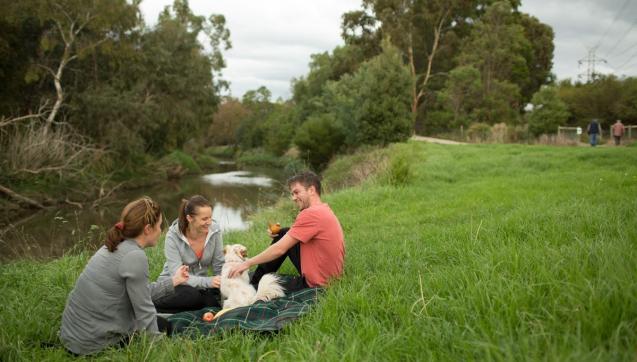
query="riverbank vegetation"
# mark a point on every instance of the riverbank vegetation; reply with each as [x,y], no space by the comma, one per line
[490,252]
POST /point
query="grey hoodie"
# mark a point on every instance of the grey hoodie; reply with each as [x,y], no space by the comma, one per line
[178,252]
[111,299]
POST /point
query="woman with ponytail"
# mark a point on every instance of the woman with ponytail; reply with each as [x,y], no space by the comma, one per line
[194,239]
[112,298]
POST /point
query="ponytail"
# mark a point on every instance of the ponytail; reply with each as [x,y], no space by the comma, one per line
[114,236]
[183,220]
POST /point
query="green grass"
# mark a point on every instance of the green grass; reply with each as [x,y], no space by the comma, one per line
[489,252]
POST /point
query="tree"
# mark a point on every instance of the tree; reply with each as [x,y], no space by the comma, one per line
[251,131]
[427,33]
[76,28]
[373,104]
[324,67]
[548,112]
[462,93]
[226,121]
[540,59]
[319,139]
[496,47]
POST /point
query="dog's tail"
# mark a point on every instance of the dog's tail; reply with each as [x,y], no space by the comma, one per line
[269,288]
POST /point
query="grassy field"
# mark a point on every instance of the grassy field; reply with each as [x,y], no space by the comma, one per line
[484,252]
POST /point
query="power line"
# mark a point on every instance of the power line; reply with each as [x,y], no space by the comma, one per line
[627,50]
[630,59]
[599,42]
[621,39]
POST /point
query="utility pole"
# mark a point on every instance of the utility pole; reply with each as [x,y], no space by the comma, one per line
[590,61]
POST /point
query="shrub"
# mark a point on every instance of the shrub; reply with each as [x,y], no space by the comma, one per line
[179,162]
[399,172]
[353,169]
[548,112]
[479,132]
[319,139]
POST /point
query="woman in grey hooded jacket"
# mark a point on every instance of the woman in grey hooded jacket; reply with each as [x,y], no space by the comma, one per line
[195,240]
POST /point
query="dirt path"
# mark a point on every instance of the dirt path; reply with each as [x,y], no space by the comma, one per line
[436,140]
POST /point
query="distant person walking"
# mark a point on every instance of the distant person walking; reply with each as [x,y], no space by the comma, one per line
[618,131]
[593,130]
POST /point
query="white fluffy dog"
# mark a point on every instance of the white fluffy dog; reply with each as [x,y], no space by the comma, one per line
[238,292]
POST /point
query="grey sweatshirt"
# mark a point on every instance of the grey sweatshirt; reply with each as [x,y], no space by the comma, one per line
[111,299]
[178,252]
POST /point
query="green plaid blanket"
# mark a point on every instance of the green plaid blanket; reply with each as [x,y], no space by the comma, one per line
[261,316]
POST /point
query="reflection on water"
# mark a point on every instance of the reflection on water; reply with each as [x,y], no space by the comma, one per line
[237,178]
[235,196]
[228,218]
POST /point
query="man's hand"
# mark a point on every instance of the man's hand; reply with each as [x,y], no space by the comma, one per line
[216,281]
[272,236]
[181,275]
[236,270]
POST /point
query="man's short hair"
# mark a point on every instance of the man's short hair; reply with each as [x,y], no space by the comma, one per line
[307,179]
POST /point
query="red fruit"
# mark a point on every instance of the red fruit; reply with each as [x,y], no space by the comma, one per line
[208,316]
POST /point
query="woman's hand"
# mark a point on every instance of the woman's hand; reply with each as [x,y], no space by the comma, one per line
[181,275]
[216,282]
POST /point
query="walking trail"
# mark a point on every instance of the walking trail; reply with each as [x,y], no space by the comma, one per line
[436,140]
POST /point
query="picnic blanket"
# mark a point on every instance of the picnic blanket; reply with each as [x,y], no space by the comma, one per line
[261,316]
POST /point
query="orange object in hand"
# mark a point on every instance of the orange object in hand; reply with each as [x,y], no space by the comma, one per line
[274,228]
[208,316]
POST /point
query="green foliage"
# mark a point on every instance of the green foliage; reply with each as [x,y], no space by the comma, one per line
[280,128]
[548,112]
[399,172]
[206,162]
[178,158]
[307,92]
[133,90]
[462,93]
[226,121]
[319,139]
[373,104]
[607,99]
[220,151]
[260,158]
[479,132]
[496,48]
[350,170]
[251,130]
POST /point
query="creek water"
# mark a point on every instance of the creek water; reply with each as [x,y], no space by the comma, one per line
[235,195]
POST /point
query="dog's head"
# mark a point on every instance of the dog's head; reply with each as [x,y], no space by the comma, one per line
[235,252]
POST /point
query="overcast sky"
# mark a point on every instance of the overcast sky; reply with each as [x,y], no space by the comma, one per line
[272,40]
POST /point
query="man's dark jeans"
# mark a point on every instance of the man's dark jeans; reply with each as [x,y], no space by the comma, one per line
[290,284]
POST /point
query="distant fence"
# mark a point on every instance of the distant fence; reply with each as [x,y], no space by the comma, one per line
[570,132]
[630,132]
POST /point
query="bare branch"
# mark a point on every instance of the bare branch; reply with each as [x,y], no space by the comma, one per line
[20,198]
[76,204]
[107,194]
[48,69]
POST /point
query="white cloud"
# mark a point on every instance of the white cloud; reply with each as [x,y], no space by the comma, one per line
[580,25]
[272,41]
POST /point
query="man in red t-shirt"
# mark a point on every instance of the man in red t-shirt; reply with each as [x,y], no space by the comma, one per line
[314,243]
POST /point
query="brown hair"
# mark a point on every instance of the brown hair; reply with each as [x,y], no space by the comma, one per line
[189,207]
[307,179]
[135,216]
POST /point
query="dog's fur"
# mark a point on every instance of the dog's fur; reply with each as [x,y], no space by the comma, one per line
[238,292]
